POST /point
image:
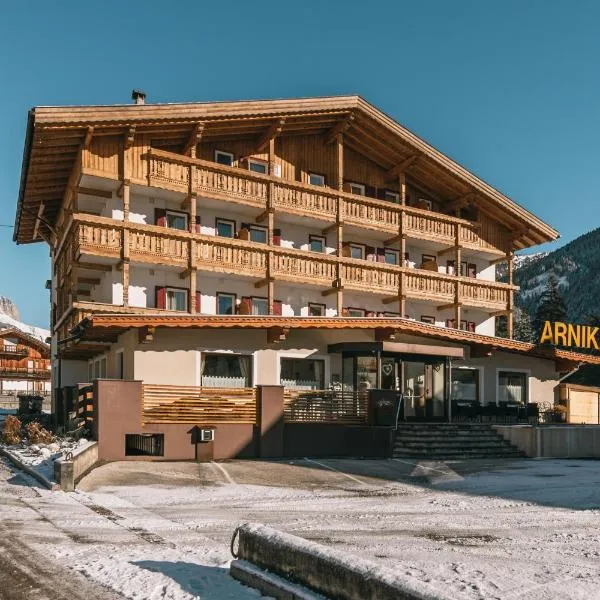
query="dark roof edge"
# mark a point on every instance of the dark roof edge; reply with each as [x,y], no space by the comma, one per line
[24,170]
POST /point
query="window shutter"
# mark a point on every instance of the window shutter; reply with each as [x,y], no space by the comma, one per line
[197,228]
[450,323]
[370,253]
[370,191]
[472,270]
[245,307]
[471,326]
[381,255]
[160,297]
[277,237]
[277,307]
[450,267]
[344,312]
[198,300]
[160,217]
[346,187]
[345,248]
[243,163]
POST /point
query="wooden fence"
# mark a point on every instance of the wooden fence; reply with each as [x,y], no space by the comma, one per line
[325,406]
[198,405]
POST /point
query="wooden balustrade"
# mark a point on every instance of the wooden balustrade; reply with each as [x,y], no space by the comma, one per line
[370,277]
[158,247]
[223,255]
[198,405]
[305,267]
[485,296]
[237,185]
[429,286]
[96,238]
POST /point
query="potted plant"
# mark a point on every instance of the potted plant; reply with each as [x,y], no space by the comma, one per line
[560,413]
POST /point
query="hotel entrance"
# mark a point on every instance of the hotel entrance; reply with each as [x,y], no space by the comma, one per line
[421,379]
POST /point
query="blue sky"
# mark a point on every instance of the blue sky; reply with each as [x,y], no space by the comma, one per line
[510,89]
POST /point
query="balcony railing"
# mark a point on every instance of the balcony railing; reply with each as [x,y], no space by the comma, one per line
[159,245]
[17,350]
[170,171]
[24,373]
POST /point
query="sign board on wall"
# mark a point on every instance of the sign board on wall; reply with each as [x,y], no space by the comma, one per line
[567,334]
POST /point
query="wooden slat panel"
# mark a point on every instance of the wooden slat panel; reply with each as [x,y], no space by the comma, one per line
[200,406]
[326,406]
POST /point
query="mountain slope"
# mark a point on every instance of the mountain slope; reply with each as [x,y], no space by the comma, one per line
[577,268]
[9,317]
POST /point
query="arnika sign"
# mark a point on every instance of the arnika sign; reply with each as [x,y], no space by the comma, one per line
[567,334]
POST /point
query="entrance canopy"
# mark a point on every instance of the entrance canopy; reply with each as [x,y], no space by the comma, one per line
[398,348]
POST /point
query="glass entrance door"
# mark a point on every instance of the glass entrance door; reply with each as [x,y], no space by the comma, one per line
[424,390]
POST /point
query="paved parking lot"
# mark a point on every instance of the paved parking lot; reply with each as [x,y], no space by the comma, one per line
[472,529]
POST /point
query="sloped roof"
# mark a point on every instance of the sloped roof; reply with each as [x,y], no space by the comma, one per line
[55,134]
[107,327]
[27,339]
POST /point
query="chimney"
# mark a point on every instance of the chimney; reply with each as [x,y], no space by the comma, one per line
[138,96]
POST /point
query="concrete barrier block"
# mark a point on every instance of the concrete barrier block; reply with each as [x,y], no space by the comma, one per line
[327,571]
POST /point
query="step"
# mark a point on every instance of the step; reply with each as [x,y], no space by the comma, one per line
[445,435]
[449,453]
[433,444]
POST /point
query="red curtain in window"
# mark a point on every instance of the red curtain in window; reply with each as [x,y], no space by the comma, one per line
[277,237]
[471,326]
[380,254]
[450,323]
[277,308]
[160,217]
[245,307]
[160,297]
[197,224]
[370,253]
[198,300]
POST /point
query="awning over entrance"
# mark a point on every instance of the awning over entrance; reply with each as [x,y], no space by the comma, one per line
[398,348]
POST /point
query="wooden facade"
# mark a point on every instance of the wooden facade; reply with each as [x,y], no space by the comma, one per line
[24,363]
[376,180]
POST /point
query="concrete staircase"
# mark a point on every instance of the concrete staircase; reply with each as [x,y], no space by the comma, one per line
[451,441]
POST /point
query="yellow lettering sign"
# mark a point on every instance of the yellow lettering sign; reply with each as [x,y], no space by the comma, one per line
[575,336]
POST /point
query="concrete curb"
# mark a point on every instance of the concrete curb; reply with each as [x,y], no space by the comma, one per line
[323,569]
[269,584]
[51,485]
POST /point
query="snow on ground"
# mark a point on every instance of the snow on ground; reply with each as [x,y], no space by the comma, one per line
[41,457]
[472,530]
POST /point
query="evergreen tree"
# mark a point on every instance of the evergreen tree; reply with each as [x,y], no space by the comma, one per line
[523,328]
[551,307]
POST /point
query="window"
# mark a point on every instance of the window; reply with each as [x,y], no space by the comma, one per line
[260,306]
[512,387]
[427,319]
[468,269]
[176,299]
[177,220]
[355,312]
[258,166]
[316,310]
[224,158]
[226,370]
[316,179]
[302,373]
[102,374]
[467,325]
[91,371]
[357,188]
[119,365]
[450,270]
[391,256]
[391,196]
[357,251]
[465,385]
[225,303]
[258,234]
[144,444]
[317,243]
[225,227]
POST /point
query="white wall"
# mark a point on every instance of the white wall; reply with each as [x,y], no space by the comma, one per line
[295,300]
[143,281]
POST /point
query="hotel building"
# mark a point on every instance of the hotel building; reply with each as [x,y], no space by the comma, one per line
[257,267]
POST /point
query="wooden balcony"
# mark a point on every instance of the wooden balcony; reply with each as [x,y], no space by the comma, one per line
[97,236]
[178,173]
[9,372]
[14,351]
